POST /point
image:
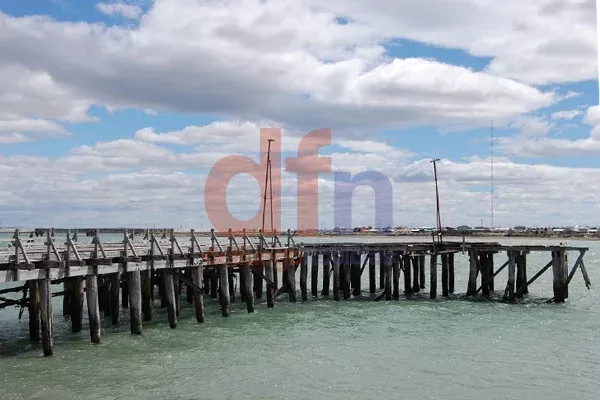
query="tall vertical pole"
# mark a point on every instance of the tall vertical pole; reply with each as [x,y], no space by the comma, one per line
[437,200]
[268,185]
[492,170]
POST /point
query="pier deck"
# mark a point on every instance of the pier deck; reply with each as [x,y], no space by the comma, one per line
[125,273]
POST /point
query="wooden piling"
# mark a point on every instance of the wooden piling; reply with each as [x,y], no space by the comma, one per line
[257,272]
[243,286]
[304,276]
[490,271]
[484,261]
[66,298]
[46,316]
[291,277]
[407,272]
[326,276]
[34,310]
[387,263]
[124,292]
[135,301]
[170,297]
[189,291]
[509,292]
[445,275]
[231,280]
[355,267]
[268,265]
[224,298]
[451,273]
[520,276]
[381,270]
[336,275]
[214,284]
[347,275]
[559,277]
[114,297]
[372,283]
[433,276]
[473,264]
[93,306]
[396,259]
[146,295]
[415,266]
[314,274]
[76,303]
[197,275]
[524,271]
[422,271]
[248,287]
[177,290]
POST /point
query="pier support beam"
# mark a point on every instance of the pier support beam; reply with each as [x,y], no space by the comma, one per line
[113,289]
[509,292]
[355,267]
[91,294]
[170,298]
[290,268]
[224,298]
[268,266]
[66,298]
[34,310]
[124,292]
[314,274]
[433,276]
[346,274]
[147,295]
[521,261]
[491,271]
[76,303]
[46,316]
[472,284]
[422,271]
[197,275]
[257,273]
[387,264]
[484,267]
[248,289]
[326,279]
[135,300]
[231,280]
[336,275]
[396,259]
[381,270]
[304,277]
[372,283]
[415,266]
[559,276]
[445,275]
[407,275]
[451,272]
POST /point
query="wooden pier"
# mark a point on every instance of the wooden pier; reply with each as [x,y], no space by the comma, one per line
[124,274]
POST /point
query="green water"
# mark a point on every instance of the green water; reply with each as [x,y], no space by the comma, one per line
[320,349]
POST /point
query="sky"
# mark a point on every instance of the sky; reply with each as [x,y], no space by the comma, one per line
[115,113]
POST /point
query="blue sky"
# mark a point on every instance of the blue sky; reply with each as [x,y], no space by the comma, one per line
[140,98]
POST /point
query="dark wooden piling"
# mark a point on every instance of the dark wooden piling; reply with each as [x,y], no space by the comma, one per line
[34,310]
[347,275]
[415,266]
[372,272]
[224,298]
[257,272]
[46,316]
[231,280]
[445,275]
[214,284]
[509,292]
[197,275]
[161,289]
[473,265]
[66,298]
[520,276]
[114,297]
[268,266]
[93,306]
[484,261]
[559,276]
[433,276]
[243,286]
[189,290]
[291,277]
[381,270]
[451,273]
[304,277]
[387,263]
[490,271]
[124,292]
[248,287]
[336,275]
[314,274]
[135,301]
[396,259]
[104,287]
[76,287]
[422,271]
[524,272]
[326,274]
[177,289]
[206,282]
[407,275]
[147,295]
[170,298]
[355,267]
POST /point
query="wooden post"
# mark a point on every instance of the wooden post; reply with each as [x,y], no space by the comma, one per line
[387,262]
[124,292]
[177,289]
[472,285]
[336,275]
[407,279]
[422,271]
[520,281]
[396,275]
[34,310]
[491,271]
[381,270]
[347,275]
[304,276]
[291,276]
[46,316]
[559,277]
[224,290]
[231,279]
[248,282]
[161,289]
[270,286]
[355,267]
[104,287]
[485,273]
[214,284]
[76,303]
[135,302]
[257,272]
[114,297]
[433,276]
[524,271]
[509,292]
[314,274]
[197,275]
[91,294]
[243,285]
[372,283]
[170,297]
[326,268]
[147,295]
[415,267]
[66,298]
[445,275]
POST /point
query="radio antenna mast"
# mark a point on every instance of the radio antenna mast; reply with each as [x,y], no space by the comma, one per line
[268,186]
[492,170]
[437,200]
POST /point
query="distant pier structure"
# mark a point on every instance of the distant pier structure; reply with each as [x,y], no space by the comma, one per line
[166,268]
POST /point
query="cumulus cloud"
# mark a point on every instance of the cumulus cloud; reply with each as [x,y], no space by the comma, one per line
[129,11]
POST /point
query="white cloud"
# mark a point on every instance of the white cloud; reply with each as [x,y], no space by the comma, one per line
[566,114]
[129,11]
